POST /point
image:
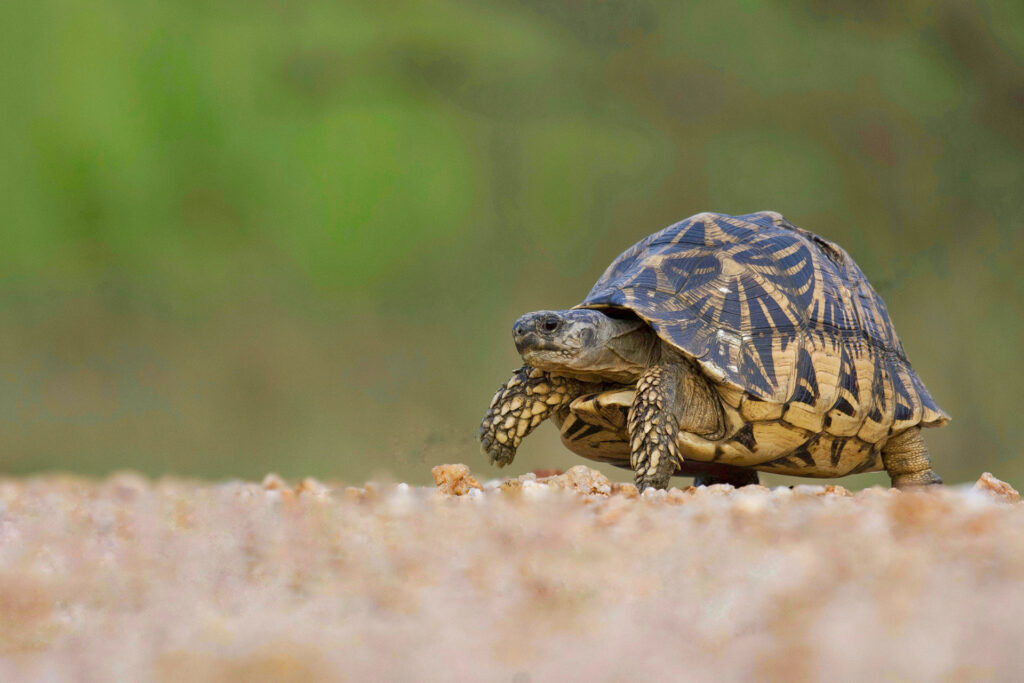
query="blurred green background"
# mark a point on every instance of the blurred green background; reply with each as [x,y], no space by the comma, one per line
[293,236]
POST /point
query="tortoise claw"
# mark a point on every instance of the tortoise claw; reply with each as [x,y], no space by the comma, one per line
[499,455]
[499,445]
[526,400]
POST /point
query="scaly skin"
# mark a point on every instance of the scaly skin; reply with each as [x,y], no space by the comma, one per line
[526,400]
[905,457]
[654,427]
[670,397]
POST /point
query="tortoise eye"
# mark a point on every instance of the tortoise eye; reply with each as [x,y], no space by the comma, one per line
[550,324]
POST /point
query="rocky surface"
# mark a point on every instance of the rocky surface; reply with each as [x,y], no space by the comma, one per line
[559,577]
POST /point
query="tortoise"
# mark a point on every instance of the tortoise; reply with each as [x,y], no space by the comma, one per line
[717,348]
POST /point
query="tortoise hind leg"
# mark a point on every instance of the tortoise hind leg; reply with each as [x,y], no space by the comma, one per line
[736,477]
[905,457]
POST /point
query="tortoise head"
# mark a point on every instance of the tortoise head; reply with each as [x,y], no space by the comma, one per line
[585,343]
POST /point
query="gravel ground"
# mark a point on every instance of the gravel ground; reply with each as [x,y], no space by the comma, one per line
[565,577]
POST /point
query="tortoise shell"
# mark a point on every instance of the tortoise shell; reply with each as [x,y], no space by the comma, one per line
[783,322]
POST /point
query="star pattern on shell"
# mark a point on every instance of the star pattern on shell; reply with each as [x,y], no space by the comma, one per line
[778,312]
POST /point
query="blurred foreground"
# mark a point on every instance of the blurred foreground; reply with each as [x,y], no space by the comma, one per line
[530,579]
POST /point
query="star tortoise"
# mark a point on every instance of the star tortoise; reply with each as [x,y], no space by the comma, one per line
[716,348]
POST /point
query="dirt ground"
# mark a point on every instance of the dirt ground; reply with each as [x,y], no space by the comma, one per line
[565,577]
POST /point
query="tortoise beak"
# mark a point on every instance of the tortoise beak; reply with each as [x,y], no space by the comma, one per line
[526,342]
[524,336]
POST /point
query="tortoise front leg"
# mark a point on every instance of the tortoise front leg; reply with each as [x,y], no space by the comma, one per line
[654,427]
[670,397]
[526,400]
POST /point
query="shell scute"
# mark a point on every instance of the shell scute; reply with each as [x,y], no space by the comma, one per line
[779,313]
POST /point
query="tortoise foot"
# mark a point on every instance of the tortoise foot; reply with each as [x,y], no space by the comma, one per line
[735,478]
[917,480]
